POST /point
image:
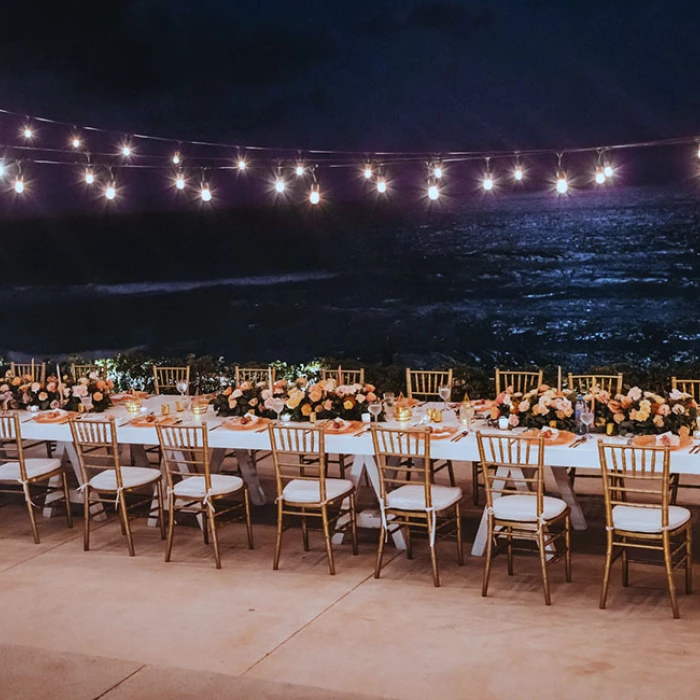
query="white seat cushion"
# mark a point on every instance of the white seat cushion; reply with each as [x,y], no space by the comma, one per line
[647,519]
[307,491]
[132,477]
[35,467]
[413,497]
[523,509]
[195,487]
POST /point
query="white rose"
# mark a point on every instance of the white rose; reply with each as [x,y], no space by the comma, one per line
[523,406]
[635,393]
[678,410]
[236,393]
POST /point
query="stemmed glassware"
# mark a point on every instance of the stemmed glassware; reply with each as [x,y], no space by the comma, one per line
[389,403]
[277,406]
[181,386]
[445,392]
[587,418]
[375,408]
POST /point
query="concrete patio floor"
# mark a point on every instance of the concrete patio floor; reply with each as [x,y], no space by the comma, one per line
[101,624]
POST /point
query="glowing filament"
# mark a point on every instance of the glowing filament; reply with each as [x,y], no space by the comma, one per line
[75,142]
[368,172]
[126,150]
[176,159]
[206,193]
[111,191]
[180,182]
[381,185]
[433,192]
[599,176]
[518,174]
[299,170]
[19,185]
[488,183]
[241,164]
[89,177]
[27,132]
[437,171]
[3,170]
[314,195]
[562,184]
[280,186]
[608,171]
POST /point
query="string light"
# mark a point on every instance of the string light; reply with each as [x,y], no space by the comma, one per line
[19,185]
[3,169]
[205,192]
[518,172]
[89,176]
[437,170]
[241,164]
[27,132]
[126,150]
[280,185]
[562,183]
[488,182]
[111,190]
[599,175]
[368,172]
[299,170]
[75,142]
[176,159]
[180,181]
[381,185]
[315,194]
[433,192]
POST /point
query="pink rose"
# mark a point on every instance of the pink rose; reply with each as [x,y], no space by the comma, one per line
[514,421]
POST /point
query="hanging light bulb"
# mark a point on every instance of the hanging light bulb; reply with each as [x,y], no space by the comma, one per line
[19,185]
[368,172]
[180,181]
[433,191]
[3,169]
[280,185]
[699,150]
[599,175]
[111,190]
[381,185]
[562,183]
[315,194]
[241,164]
[205,193]
[176,159]
[488,182]
[608,170]
[126,150]
[437,171]
[75,142]
[518,173]
[299,170]
[27,132]
[89,176]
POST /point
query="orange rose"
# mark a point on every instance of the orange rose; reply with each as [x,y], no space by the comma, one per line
[306,409]
[43,396]
[101,385]
[315,395]
[16,381]
[371,396]
[228,391]
[495,412]
[98,396]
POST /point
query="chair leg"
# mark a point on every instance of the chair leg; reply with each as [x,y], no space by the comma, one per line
[689,560]
[625,566]
[278,543]
[669,575]
[475,483]
[161,513]
[567,543]
[353,523]
[489,556]
[125,522]
[460,548]
[248,522]
[304,532]
[86,518]
[409,541]
[327,535]
[433,555]
[171,528]
[66,496]
[30,508]
[543,564]
[606,574]
[204,520]
[211,518]
[380,551]
[451,472]
[510,550]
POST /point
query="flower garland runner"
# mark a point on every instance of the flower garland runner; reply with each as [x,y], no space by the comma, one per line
[302,400]
[540,408]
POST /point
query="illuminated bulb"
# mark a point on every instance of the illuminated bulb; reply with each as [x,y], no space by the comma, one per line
[599,176]
[315,195]
[206,192]
[518,174]
[368,172]
[608,171]
[180,182]
[299,170]
[126,151]
[438,172]
[2,170]
[279,186]
[698,151]
[241,164]
[111,191]
[89,177]
[562,184]
[76,142]
[176,159]
[27,132]
[433,192]
[19,185]
[381,185]
[488,183]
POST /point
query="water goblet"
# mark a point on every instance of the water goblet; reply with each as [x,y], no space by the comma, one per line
[278,406]
[375,408]
[445,392]
[182,387]
[587,418]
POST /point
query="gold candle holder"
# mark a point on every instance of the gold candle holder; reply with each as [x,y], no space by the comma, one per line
[133,407]
[435,415]
[165,409]
[403,413]
[199,409]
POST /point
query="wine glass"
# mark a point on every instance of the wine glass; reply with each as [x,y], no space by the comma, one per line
[277,406]
[87,403]
[181,386]
[445,392]
[389,403]
[587,418]
[375,408]
[469,412]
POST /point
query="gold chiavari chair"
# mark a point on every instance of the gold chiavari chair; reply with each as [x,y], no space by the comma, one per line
[192,488]
[506,463]
[639,515]
[28,369]
[687,386]
[255,375]
[521,382]
[88,369]
[425,384]
[166,379]
[413,504]
[26,472]
[105,480]
[582,383]
[304,490]
[344,376]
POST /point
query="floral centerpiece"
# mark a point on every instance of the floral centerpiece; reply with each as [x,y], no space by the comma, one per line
[24,392]
[540,408]
[91,386]
[249,397]
[646,413]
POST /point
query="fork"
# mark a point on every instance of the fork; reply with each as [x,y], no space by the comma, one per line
[459,436]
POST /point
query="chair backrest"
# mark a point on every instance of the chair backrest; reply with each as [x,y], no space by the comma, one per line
[166,378]
[410,449]
[255,375]
[298,452]
[523,454]
[425,384]
[344,376]
[521,381]
[631,473]
[96,445]
[29,369]
[11,441]
[88,369]
[687,386]
[581,383]
[185,452]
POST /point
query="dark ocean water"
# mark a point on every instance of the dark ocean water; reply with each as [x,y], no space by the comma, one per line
[595,278]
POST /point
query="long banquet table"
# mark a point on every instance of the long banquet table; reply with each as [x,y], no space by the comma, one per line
[558,458]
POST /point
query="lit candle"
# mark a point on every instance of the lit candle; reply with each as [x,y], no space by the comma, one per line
[559,378]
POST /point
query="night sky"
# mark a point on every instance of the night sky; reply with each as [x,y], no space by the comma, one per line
[415,75]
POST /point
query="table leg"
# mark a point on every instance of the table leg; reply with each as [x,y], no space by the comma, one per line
[578,520]
[250,475]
